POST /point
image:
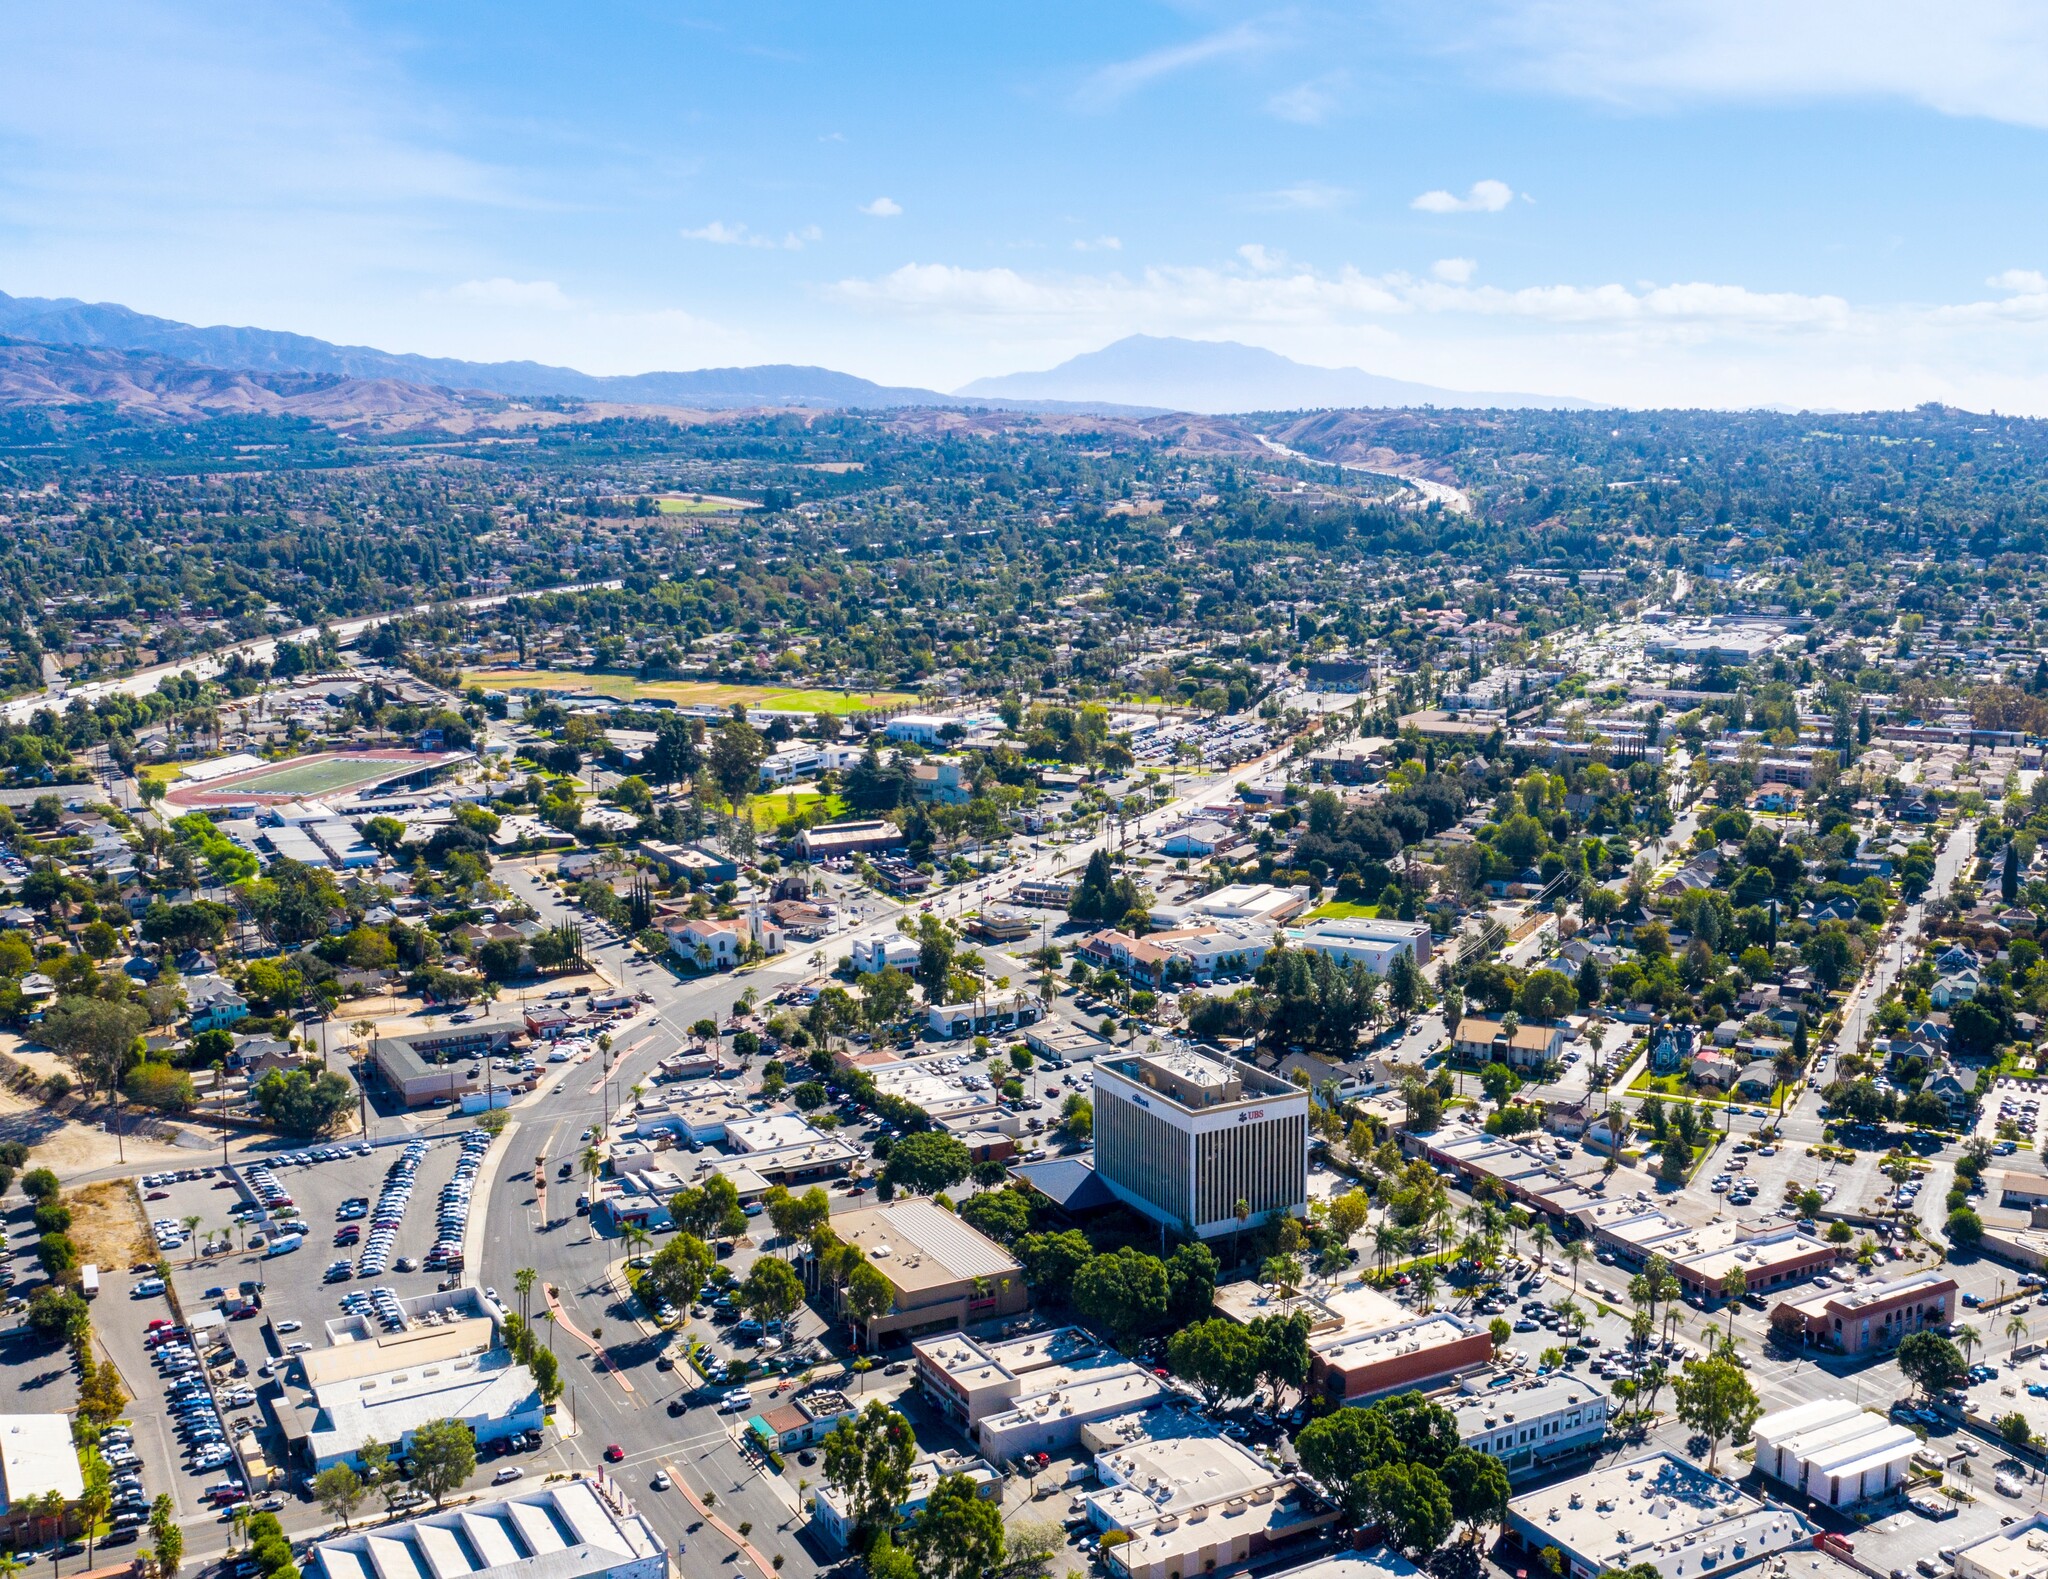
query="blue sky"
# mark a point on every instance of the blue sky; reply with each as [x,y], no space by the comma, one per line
[1717,202]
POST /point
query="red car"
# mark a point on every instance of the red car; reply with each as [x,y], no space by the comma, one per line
[614,1453]
[158,1195]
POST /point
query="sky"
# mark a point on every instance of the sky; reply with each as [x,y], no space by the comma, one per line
[1790,203]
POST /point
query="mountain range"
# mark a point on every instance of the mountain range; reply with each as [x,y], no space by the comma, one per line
[1216,376]
[1138,375]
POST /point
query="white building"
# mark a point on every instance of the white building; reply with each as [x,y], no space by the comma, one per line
[927,729]
[872,956]
[575,1529]
[1658,1510]
[36,1458]
[373,1385]
[1836,1452]
[1528,1424]
[1365,940]
[2018,1551]
[1184,1137]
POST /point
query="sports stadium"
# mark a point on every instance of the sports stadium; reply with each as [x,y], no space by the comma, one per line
[230,783]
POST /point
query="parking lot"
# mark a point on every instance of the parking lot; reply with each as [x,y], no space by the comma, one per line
[253,1343]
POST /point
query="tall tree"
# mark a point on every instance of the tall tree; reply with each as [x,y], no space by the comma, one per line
[868,1458]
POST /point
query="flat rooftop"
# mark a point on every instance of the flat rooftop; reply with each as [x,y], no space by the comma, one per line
[1194,1080]
[1658,1509]
[36,1456]
[1067,1390]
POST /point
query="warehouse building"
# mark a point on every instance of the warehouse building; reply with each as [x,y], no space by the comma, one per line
[576,1529]
[1837,1452]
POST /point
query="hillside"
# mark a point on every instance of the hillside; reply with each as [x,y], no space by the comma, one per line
[141,383]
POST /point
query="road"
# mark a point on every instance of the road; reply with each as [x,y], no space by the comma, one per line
[57,695]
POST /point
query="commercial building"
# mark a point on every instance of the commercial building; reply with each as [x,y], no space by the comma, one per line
[1530,1424]
[804,1420]
[838,839]
[1366,939]
[574,1529]
[1658,1510]
[1836,1452]
[1191,1500]
[971,1379]
[1769,1260]
[371,1384]
[1869,1315]
[1185,1137]
[1357,1366]
[36,1459]
[2018,1551]
[941,1272]
[441,1065]
[1051,1419]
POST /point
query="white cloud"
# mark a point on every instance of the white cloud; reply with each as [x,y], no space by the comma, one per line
[1984,58]
[502,292]
[1485,197]
[1107,86]
[1313,102]
[1099,244]
[882,208]
[1309,195]
[1454,271]
[1262,260]
[720,234]
[2030,282]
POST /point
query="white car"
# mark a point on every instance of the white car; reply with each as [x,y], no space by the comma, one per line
[288,1326]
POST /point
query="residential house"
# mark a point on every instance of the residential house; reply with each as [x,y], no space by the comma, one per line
[1714,1068]
[212,1001]
[1956,987]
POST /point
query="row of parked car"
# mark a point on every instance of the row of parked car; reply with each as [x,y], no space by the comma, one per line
[191,1401]
[392,1200]
[131,1502]
[453,1219]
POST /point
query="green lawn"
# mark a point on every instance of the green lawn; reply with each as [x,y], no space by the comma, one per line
[701,504]
[772,807]
[630,688]
[1343,910]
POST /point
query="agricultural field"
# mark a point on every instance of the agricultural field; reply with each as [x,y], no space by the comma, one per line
[687,693]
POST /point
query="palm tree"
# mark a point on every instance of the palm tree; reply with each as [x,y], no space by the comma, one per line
[523,1280]
[1966,1338]
[192,1236]
[1540,1236]
[1242,1211]
[1388,1240]
[1575,1253]
[1425,1287]
[636,1237]
[2016,1329]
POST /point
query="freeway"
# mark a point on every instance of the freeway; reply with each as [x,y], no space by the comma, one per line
[57,695]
